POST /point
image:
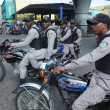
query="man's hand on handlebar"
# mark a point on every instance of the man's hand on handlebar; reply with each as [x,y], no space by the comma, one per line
[74,43]
[45,60]
[20,40]
[8,44]
[58,40]
[59,68]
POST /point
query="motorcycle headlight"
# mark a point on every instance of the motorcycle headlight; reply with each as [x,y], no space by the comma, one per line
[42,66]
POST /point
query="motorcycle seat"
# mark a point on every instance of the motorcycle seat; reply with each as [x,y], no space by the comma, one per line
[58,54]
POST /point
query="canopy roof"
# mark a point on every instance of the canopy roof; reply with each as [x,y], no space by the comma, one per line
[52,8]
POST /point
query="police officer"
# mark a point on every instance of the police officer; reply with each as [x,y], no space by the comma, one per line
[34,40]
[49,46]
[76,37]
[65,37]
[100,81]
[49,38]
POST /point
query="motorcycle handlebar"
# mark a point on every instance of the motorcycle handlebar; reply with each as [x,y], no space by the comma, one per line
[8,46]
[15,40]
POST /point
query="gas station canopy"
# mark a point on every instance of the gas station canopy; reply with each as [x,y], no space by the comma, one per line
[52,8]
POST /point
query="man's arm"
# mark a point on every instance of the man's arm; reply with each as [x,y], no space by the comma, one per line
[79,36]
[31,35]
[93,56]
[51,39]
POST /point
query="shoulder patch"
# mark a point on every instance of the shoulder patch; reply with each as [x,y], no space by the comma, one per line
[29,35]
[79,32]
[50,35]
[103,44]
[69,31]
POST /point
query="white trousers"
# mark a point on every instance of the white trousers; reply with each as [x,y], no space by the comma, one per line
[31,57]
[95,93]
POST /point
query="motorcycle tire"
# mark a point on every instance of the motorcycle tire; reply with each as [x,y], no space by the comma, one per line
[2,71]
[25,97]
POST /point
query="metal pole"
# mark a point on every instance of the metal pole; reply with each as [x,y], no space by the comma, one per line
[41,16]
[61,13]
[49,14]
[15,11]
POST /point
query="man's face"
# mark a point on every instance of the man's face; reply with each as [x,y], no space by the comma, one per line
[29,24]
[72,26]
[98,28]
[46,24]
[63,26]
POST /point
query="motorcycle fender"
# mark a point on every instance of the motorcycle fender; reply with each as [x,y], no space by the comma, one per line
[44,92]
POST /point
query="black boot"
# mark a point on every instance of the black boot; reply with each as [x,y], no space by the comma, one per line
[22,81]
[72,57]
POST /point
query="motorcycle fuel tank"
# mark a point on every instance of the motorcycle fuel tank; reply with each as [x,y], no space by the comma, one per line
[72,83]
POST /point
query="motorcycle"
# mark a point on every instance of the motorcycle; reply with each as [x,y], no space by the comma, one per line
[32,96]
[76,51]
[10,31]
[14,56]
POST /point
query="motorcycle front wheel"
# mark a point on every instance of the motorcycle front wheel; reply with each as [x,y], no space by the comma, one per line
[2,71]
[26,96]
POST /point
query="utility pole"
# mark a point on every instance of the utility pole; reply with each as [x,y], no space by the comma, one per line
[15,11]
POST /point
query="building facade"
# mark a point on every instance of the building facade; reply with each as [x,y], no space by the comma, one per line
[103,9]
[93,12]
[7,10]
[0,14]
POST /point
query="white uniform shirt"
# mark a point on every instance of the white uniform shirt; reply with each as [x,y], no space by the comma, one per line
[51,39]
[98,53]
[32,34]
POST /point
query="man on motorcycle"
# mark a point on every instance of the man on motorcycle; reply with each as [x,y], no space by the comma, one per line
[65,37]
[49,38]
[49,43]
[76,37]
[100,81]
[34,40]
[41,48]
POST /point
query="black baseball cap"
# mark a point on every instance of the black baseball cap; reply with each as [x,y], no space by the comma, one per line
[63,22]
[99,18]
[72,21]
[47,19]
[29,18]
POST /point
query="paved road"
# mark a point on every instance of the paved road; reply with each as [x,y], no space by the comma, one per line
[7,99]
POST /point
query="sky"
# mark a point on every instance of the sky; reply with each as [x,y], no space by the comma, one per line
[93,3]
